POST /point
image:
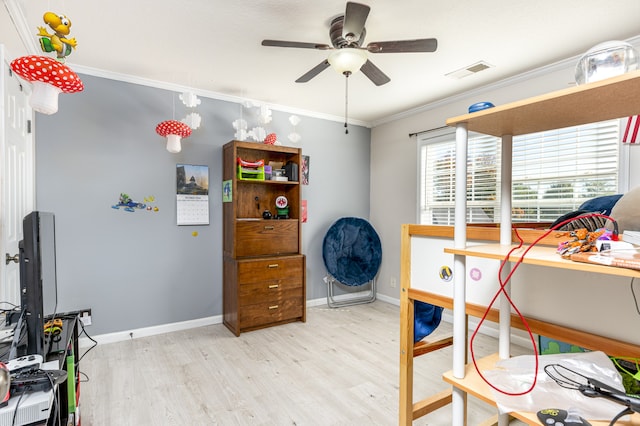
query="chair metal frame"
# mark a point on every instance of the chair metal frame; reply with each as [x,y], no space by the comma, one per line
[349,301]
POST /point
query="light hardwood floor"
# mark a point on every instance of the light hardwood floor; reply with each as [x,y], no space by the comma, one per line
[338,368]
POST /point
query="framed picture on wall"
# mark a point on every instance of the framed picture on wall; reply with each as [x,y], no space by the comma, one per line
[227,191]
[305,170]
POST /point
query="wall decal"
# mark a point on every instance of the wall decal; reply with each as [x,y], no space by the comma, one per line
[475,274]
[58,41]
[446,274]
[129,205]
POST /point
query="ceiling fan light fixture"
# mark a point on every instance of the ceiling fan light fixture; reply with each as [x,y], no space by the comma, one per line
[347,60]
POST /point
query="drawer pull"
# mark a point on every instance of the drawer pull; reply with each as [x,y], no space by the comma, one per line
[269,228]
[273,265]
[274,286]
[273,307]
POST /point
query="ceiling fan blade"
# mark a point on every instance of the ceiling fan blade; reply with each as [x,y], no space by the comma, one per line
[298,44]
[374,73]
[313,72]
[399,46]
[355,17]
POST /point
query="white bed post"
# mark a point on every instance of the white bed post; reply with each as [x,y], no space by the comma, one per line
[459,276]
[505,239]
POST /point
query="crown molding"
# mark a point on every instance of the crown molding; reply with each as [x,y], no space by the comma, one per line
[20,22]
[205,93]
[537,72]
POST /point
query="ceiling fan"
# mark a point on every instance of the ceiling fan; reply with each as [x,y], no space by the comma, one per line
[347,33]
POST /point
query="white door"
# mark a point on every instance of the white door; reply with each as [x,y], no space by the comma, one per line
[17,179]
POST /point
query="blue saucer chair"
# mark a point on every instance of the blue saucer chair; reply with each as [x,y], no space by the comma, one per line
[352,254]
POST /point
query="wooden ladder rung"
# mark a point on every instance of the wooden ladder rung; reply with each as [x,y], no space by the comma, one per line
[493,420]
[431,404]
[425,346]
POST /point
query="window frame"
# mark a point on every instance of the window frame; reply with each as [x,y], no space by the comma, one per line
[447,134]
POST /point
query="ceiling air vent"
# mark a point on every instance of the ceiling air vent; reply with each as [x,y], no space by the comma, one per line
[471,69]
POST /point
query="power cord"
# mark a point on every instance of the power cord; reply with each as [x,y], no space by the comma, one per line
[620,415]
[15,412]
[633,293]
[95,343]
[13,308]
[86,378]
[524,321]
[55,398]
[522,318]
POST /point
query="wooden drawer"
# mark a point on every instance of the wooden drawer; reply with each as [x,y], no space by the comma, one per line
[266,237]
[269,280]
[260,314]
[268,291]
[283,269]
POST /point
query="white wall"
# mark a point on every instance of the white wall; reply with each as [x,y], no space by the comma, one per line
[394,165]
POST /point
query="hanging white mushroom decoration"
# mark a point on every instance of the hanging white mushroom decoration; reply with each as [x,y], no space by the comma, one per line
[49,78]
[174,131]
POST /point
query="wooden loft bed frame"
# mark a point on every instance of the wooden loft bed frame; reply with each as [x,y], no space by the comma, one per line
[410,410]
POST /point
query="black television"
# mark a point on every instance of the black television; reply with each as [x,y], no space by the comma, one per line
[38,281]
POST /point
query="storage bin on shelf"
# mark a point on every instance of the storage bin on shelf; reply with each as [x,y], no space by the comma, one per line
[250,170]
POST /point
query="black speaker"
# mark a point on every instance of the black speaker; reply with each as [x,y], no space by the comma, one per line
[291,171]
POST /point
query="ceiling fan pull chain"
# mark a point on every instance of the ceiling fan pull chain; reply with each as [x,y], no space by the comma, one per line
[346,101]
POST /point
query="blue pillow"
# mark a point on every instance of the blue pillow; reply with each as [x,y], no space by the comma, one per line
[602,205]
[426,318]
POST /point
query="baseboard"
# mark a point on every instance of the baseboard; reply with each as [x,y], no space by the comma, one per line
[121,336]
[488,328]
[388,299]
[317,302]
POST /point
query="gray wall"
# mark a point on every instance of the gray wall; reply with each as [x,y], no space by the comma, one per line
[140,269]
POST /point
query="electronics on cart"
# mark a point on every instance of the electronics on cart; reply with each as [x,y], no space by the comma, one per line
[27,362]
[31,395]
[35,381]
[34,407]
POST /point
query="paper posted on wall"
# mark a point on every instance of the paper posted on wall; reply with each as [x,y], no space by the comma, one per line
[192,194]
[192,209]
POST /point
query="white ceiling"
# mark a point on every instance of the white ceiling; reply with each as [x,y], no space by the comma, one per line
[214,45]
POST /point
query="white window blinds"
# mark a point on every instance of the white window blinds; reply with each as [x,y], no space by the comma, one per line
[554,172]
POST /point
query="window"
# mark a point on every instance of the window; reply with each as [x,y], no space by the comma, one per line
[554,172]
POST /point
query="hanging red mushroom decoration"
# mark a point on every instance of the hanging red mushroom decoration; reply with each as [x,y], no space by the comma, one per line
[49,78]
[173,130]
